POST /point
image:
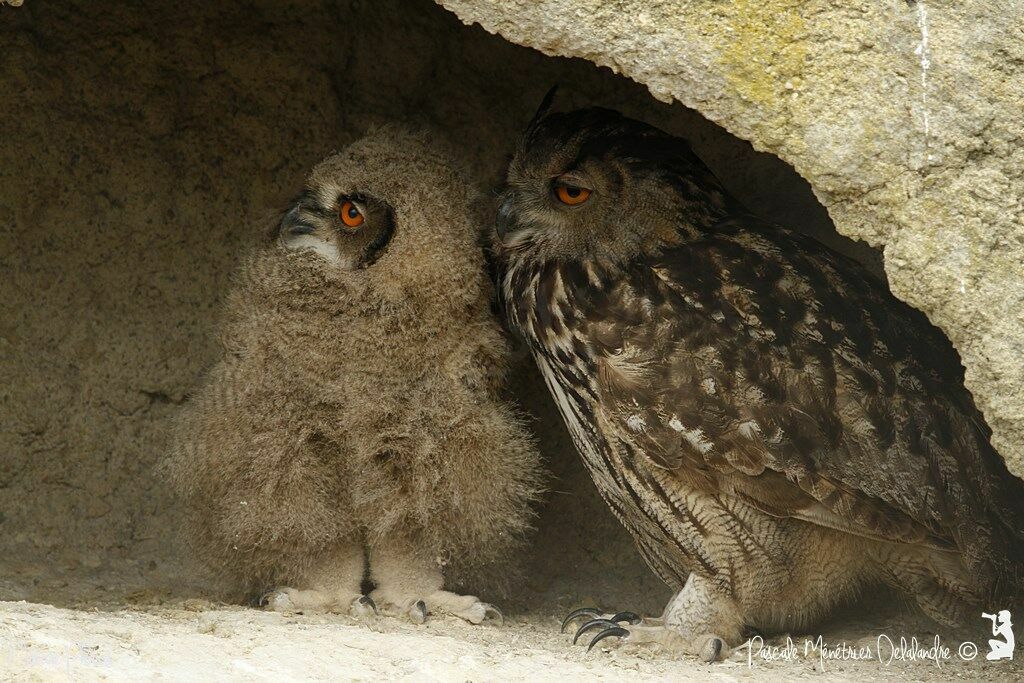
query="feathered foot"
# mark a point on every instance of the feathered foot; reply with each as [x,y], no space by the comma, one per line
[331,584]
[466,607]
[410,586]
[292,600]
[416,610]
[690,624]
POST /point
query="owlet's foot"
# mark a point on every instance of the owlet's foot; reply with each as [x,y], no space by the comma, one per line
[417,609]
[292,600]
[410,586]
[330,585]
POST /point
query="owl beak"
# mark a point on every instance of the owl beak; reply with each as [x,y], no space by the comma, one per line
[505,220]
[294,224]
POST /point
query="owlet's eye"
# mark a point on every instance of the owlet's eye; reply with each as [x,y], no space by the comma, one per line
[571,194]
[351,216]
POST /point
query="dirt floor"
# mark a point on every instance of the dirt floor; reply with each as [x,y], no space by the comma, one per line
[129,623]
[198,640]
[144,144]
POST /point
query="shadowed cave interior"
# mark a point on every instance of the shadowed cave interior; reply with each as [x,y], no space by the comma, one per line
[145,145]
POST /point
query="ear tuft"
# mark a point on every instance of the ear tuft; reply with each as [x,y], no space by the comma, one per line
[545,105]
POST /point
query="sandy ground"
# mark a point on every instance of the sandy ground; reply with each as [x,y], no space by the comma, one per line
[197,640]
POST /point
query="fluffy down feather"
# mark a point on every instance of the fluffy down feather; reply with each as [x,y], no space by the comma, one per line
[360,408]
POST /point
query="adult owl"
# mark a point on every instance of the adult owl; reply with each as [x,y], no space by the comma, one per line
[773,427]
[354,425]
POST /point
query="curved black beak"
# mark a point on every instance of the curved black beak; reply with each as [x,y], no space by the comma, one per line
[293,223]
[505,220]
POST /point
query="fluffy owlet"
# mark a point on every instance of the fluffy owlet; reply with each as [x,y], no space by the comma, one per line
[354,425]
[774,428]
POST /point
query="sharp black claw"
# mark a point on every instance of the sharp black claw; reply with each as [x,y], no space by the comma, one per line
[367,601]
[591,625]
[607,633]
[631,617]
[581,612]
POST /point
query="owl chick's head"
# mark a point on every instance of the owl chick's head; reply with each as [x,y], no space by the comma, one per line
[388,217]
[348,230]
[594,183]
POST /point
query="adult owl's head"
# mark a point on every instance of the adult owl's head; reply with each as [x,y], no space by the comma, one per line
[594,183]
[389,217]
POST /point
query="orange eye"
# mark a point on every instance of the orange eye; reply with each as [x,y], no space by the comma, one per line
[351,215]
[571,195]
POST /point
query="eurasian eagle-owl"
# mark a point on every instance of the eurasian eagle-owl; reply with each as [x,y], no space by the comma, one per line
[354,424]
[774,428]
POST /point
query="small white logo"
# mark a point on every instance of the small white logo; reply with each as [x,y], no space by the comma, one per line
[1001,626]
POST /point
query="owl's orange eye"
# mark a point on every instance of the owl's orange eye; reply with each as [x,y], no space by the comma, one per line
[571,195]
[351,215]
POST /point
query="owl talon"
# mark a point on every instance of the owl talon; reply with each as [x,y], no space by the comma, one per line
[591,625]
[592,612]
[418,612]
[712,650]
[363,606]
[632,617]
[597,615]
[616,631]
[492,613]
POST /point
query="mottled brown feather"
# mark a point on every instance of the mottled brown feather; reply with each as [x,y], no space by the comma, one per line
[715,369]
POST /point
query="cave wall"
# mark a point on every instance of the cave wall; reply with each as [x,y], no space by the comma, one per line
[144,145]
[906,117]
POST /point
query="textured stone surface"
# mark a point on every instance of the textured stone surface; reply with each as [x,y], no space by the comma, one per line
[905,117]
